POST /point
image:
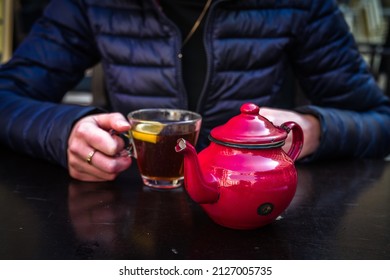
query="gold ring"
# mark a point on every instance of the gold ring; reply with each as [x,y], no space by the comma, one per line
[90,155]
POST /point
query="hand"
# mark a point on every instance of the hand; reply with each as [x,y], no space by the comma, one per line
[92,133]
[309,124]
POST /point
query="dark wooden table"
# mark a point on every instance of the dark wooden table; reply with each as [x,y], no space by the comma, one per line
[341,211]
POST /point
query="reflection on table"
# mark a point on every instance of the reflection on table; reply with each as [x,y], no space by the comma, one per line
[340,211]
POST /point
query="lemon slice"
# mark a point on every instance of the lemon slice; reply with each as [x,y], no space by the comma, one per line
[147,132]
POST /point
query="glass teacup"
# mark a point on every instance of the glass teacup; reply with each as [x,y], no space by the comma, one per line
[154,134]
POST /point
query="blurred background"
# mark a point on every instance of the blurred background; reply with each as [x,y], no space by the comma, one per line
[16,20]
[367,19]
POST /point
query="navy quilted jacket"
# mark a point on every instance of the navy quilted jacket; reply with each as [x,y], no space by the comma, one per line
[249,45]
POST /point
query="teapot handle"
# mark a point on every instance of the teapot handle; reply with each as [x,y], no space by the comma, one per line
[297,139]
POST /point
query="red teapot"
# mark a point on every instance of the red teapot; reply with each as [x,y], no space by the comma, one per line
[243,179]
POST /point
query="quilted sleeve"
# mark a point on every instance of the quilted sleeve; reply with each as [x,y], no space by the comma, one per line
[353,111]
[51,61]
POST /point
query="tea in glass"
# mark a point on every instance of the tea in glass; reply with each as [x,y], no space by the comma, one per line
[154,134]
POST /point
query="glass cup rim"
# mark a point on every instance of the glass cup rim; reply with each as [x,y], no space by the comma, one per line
[194,115]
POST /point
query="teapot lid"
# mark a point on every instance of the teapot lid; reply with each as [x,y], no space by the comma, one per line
[249,129]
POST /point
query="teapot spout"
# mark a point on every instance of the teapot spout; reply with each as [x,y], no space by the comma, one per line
[202,188]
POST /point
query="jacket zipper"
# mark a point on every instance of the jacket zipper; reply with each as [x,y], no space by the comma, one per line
[177,61]
[202,96]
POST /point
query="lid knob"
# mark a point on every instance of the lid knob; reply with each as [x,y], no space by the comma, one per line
[250,109]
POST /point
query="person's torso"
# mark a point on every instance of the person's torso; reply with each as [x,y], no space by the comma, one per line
[246,48]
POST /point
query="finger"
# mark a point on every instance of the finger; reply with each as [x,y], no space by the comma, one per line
[101,167]
[78,159]
[109,165]
[86,177]
[81,170]
[122,144]
[114,121]
[99,160]
[94,136]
